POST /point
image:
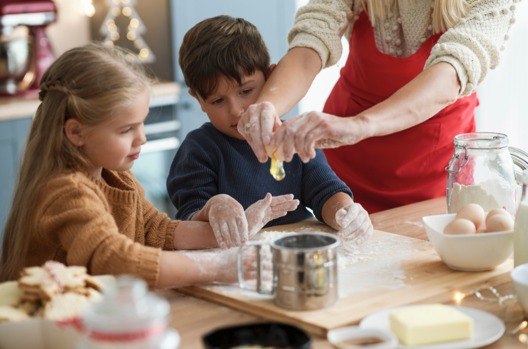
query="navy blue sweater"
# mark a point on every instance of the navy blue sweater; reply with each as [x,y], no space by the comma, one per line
[209,163]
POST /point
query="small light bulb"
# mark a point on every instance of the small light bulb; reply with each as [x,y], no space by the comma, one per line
[458,297]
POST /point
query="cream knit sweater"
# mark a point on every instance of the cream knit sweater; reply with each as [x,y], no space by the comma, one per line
[472,47]
[108,227]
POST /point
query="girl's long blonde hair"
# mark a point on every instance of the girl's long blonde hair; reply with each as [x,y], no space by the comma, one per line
[446,13]
[89,83]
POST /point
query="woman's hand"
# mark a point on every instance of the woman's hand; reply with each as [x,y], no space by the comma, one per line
[355,223]
[268,209]
[228,220]
[306,132]
[256,125]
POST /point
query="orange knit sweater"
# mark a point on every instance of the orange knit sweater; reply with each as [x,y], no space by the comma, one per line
[108,227]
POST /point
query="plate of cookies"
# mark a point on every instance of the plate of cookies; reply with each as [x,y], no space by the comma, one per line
[36,308]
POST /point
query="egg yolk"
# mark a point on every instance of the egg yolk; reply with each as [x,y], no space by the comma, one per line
[277,169]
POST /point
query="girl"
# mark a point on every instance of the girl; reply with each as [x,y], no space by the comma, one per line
[77,202]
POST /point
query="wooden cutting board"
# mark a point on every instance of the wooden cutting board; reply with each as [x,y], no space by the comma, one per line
[389,270]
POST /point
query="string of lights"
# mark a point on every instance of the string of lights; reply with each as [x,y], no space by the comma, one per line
[135,28]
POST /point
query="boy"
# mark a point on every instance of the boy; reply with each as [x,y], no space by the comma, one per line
[225,63]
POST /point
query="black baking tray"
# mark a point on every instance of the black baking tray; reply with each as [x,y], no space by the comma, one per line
[274,335]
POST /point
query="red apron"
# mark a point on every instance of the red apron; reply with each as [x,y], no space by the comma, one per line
[404,167]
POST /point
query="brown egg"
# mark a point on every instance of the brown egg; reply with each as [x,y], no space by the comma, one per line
[460,226]
[499,222]
[495,211]
[473,212]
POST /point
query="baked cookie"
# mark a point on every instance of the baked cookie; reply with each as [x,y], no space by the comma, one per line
[10,313]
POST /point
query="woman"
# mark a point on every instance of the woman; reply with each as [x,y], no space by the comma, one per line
[407,88]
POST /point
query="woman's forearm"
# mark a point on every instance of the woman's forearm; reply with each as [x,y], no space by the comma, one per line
[291,79]
[431,91]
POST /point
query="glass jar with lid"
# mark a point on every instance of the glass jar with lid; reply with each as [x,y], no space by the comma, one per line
[482,171]
[128,316]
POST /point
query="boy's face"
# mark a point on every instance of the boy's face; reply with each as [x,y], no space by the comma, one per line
[227,103]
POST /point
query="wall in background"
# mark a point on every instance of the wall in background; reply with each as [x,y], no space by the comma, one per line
[71,29]
[504,94]
[74,28]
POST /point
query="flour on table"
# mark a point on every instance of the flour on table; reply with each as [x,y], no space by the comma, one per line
[374,265]
[377,264]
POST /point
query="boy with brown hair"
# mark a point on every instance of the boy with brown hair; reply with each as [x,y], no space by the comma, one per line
[225,63]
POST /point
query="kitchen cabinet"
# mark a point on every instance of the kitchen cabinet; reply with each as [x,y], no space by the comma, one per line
[13,135]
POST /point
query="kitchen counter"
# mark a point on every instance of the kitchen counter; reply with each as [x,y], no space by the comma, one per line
[194,317]
[11,108]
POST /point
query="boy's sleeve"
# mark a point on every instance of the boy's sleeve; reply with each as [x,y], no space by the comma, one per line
[320,182]
[191,181]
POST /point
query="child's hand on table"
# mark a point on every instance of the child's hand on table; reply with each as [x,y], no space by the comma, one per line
[356,226]
[268,209]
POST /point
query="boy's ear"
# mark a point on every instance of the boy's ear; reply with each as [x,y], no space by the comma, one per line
[73,131]
[192,93]
[198,98]
[270,70]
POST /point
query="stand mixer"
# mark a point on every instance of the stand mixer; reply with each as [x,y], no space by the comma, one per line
[25,51]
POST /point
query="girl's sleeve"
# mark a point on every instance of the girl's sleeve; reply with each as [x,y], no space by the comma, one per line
[158,226]
[474,46]
[317,26]
[80,222]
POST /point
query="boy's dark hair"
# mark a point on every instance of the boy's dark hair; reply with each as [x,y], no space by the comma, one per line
[221,45]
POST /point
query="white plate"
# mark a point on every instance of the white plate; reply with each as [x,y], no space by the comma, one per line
[487,328]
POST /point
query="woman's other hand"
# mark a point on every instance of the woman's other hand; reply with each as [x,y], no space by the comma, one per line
[304,133]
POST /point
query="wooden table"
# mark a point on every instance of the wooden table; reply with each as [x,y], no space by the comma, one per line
[194,317]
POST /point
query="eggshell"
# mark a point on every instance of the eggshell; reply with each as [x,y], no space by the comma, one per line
[460,226]
[495,211]
[499,222]
[473,212]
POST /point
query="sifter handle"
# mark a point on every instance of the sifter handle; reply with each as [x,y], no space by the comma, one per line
[242,283]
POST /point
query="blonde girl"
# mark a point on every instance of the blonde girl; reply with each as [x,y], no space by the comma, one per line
[76,201]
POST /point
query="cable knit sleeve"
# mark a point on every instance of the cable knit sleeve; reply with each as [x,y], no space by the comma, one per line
[473,46]
[77,218]
[317,25]
[159,227]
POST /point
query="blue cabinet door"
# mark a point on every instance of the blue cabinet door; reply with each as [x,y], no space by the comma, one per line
[13,135]
[273,18]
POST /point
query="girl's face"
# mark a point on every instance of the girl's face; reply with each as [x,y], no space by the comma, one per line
[225,105]
[114,145]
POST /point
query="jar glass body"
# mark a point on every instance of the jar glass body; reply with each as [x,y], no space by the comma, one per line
[481,171]
[520,230]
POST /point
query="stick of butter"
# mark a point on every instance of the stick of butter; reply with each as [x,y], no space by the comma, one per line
[430,323]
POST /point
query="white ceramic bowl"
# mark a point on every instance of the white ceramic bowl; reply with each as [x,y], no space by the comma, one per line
[468,252]
[354,336]
[519,276]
